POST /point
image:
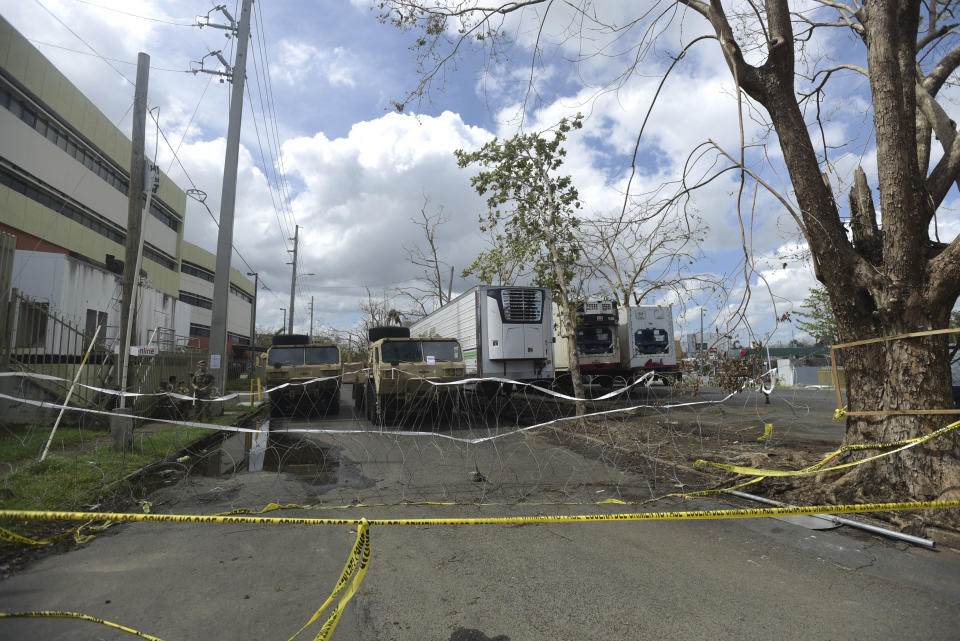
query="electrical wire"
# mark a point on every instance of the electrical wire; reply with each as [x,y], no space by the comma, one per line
[190,122]
[272,106]
[133,15]
[256,127]
[87,53]
[88,45]
[279,180]
[202,202]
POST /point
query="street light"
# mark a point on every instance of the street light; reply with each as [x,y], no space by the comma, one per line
[311,308]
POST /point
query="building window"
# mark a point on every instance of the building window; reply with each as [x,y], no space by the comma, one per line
[196,329]
[96,319]
[196,270]
[92,159]
[196,300]
[32,324]
[39,192]
[236,291]
[238,339]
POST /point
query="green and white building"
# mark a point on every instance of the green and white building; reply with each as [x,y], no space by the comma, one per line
[63,194]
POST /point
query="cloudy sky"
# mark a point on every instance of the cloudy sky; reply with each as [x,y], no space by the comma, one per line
[323,148]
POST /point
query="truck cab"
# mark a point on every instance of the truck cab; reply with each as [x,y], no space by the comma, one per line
[402,373]
[304,377]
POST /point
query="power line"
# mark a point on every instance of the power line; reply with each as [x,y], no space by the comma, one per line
[194,186]
[87,53]
[190,122]
[271,144]
[133,15]
[263,160]
[89,46]
[261,32]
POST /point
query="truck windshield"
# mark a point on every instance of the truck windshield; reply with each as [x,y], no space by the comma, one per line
[322,355]
[285,356]
[442,350]
[401,351]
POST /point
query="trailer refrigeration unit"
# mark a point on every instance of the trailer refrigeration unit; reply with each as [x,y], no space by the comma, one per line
[504,331]
[598,343]
[646,342]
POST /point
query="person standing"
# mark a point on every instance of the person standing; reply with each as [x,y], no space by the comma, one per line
[202,386]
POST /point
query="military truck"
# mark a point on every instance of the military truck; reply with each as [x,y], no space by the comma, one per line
[398,384]
[293,365]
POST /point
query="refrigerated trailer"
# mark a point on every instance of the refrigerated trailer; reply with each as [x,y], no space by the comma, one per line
[504,331]
[598,343]
[646,342]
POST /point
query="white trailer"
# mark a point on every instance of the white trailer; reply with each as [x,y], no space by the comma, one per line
[504,331]
[647,343]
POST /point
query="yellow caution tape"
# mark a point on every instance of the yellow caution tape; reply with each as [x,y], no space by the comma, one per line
[77,615]
[840,413]
[767,430]
[76,533]
[353,573]
[493,520]
[816,469]
[270,507]
[13,537]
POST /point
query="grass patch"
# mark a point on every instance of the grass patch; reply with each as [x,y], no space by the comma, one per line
[91,476]
[18,443]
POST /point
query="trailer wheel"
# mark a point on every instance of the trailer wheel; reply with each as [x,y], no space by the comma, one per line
[276,405]
[334,409]
[370,403]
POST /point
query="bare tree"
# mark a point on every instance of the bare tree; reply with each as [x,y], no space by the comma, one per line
[437,275]
[638,254]
[376,313]
[884,279]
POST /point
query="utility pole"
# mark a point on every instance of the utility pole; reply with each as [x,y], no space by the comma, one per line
[228,197]
[700,346]
[253,320]
[284,324]
[293,276]
[311,319]
[121,428]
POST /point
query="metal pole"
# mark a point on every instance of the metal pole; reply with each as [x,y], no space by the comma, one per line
[134,215]
[838,520]
[253,320]
[221,284]
[293,277]
[73,386]
[311,319]
[133,301]
[284,324]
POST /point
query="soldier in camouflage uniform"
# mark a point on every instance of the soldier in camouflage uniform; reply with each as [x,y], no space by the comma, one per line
[202,386]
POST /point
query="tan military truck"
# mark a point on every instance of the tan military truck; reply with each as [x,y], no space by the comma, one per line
[398,385]
[294,364]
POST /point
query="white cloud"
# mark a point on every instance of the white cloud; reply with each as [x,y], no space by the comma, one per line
[302,62]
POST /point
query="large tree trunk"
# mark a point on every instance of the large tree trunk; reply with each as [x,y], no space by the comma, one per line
[892,376]
[891,279]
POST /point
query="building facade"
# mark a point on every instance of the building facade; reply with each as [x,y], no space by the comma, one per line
[197,267]
[63,193]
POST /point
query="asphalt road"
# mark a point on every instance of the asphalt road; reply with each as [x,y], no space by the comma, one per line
[664,580]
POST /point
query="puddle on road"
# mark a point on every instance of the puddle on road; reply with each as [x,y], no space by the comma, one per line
[309,461]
